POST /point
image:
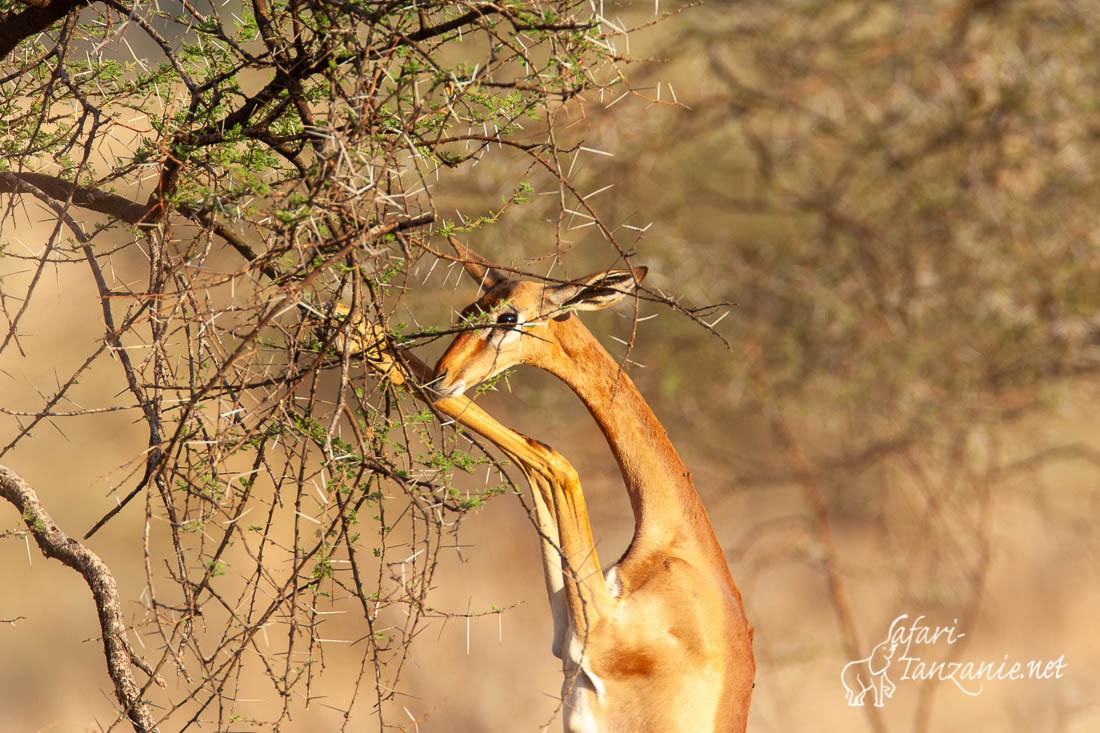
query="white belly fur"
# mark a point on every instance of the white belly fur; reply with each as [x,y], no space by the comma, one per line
[614,584]
[579,714]
[581,689]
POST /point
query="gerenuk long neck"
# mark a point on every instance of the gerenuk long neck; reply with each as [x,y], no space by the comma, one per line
[661,491]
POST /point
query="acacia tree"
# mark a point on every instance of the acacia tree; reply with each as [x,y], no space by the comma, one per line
[247,159]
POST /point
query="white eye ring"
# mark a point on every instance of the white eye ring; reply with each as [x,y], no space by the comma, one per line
[508,325]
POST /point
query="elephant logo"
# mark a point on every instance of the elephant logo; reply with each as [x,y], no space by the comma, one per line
[869,675]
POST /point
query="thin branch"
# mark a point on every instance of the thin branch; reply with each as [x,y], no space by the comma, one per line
[57,545]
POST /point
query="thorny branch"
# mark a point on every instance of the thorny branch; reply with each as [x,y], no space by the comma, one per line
[245,162]
[55,544]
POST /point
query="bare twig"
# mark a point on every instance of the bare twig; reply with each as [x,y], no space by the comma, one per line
[56,544]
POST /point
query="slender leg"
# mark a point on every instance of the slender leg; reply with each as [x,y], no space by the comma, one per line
[550,547]
[576,596]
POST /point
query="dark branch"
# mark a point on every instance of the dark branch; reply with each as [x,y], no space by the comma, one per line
[92,199]
[14,27]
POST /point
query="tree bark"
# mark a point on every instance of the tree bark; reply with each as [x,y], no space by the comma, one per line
[56,544]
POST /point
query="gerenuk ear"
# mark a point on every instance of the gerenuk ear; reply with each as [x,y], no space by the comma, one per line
[477,267]
[596,292]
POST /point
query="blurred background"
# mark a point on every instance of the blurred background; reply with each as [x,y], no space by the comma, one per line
[879,222]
